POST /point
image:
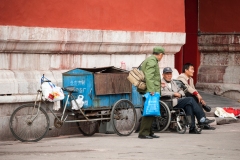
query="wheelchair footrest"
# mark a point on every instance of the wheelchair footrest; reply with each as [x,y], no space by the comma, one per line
[182,114]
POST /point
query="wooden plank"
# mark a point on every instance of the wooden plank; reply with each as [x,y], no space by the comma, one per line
[111,83]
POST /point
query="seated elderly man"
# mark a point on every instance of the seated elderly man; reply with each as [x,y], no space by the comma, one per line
[170,88]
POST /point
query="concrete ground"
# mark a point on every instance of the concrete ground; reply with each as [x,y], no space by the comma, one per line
[219,101]
[221,143]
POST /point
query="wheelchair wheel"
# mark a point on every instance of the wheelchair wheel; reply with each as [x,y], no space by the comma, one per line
[183,128]
[161,123]
[199,128]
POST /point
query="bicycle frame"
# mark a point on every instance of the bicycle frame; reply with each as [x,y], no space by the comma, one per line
[63,118]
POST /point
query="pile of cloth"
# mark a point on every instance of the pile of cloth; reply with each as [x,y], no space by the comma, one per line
[227,112]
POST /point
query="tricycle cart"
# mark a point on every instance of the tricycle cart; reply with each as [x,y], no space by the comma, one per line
[108,97]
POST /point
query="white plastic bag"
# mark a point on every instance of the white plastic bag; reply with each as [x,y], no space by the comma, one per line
[47,89]
[57,93]
[56,105]
[79,101]
[51,92]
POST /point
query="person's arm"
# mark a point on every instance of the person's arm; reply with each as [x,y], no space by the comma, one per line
[192,90]
[195,93]
[200,99]
[178,92]
[149,75]
[165,91]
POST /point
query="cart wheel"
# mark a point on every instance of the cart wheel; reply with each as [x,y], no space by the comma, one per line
[183,128]
[161,123]
[123,117]
[88,128]
[28,126]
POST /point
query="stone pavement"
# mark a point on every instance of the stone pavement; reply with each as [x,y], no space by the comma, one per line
[219,144]
[219,101]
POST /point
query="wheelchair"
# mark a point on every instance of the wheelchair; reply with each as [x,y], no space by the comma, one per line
[172,118]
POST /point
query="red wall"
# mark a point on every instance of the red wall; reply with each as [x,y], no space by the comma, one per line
[219,15]
[189,52]
[131,15]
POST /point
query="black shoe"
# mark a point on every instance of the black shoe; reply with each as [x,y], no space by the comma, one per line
[154,136]
[207,121]
[212,120]
[206,108]
[208,127]
[144,137]
[194,131]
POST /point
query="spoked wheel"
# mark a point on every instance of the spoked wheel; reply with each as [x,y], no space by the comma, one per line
[161,123]
[123,117]
[183,128]
[88,128]
[28,124]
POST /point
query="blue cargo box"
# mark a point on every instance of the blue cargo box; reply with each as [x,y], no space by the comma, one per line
[101,87]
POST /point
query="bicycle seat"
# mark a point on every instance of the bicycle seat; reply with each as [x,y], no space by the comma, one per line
[70,89]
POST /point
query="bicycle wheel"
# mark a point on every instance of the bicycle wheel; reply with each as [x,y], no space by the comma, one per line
[88,128]
[123,117]
[164,120]
[28,126]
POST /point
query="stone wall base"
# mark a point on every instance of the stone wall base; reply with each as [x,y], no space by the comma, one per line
[219,69]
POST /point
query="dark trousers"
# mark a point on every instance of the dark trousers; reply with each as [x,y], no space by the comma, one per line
[194,97]
[191,108]
[146,126]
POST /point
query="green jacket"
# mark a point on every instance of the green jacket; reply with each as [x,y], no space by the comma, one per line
[151,71]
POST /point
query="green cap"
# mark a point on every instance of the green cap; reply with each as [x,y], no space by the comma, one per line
[159,49]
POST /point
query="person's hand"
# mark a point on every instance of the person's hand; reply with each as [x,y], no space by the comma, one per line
[178,95]
[199,98]
[152,93]
[203,102]
[163,84]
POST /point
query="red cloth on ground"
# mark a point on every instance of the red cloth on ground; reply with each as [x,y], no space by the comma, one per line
[236,112]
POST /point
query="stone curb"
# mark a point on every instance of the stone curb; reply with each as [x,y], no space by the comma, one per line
[220,121]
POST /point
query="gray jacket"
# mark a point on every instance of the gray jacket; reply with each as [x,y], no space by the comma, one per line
[170,92]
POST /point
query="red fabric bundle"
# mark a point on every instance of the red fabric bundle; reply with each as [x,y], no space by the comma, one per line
[236,112]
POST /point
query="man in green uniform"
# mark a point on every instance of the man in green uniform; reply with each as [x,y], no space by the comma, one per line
[151,71]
